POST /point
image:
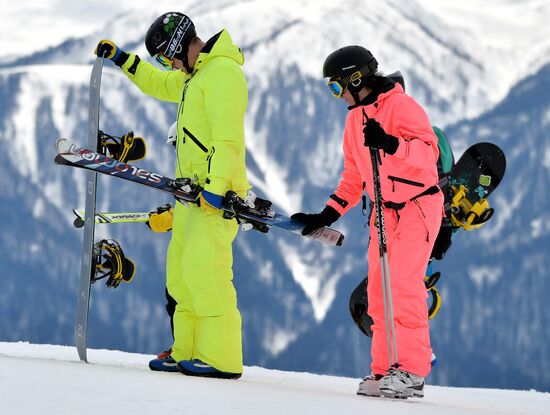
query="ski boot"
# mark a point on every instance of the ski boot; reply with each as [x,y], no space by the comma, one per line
[197,367]
[370,386]
[164,365]
[401,384]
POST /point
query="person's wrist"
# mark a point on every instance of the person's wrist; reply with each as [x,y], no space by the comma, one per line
[120,57]
[330,214]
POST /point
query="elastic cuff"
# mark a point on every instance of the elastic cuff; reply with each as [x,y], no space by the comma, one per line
[338,208]
[120,57]
[339,200]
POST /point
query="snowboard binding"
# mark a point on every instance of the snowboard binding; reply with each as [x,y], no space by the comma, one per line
[429,283]
[243,210]
[110,262]
[358,303]
[465,214]
[125,148]
[186,185]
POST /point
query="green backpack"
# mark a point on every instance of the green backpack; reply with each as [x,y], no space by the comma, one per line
[446,160]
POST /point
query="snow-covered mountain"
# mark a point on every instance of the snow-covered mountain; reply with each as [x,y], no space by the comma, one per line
[491,85]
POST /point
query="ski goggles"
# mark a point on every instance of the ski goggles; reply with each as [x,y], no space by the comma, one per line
[164,61]
[338,85]
[336,88]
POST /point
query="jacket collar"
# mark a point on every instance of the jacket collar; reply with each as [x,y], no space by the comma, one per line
[386,89]
[220,44]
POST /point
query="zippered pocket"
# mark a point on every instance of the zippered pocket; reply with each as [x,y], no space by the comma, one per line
[404,181]
[195,140]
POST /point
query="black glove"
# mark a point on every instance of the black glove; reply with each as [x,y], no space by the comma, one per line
[109,50]
[314,221]
[376,137]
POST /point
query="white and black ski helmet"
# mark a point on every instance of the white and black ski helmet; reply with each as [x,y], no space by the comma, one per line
[172,134]
[170,35]
[344,62]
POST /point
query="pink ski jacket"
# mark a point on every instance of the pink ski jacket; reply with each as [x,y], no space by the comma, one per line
[403,175]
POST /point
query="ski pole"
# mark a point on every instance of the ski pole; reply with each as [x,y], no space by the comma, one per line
[384,263]
[111,217]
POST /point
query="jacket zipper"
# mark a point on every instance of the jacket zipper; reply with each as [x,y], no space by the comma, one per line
[405,181]
[209,158]
[195,140]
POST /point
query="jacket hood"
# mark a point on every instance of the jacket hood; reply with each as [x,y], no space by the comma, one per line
[218,45]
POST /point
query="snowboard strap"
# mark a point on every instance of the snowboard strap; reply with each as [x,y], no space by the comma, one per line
[125,148]
[436,302]
[429,282]
[466,215]
[110,262]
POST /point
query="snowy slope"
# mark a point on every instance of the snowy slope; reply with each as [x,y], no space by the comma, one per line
[49,380]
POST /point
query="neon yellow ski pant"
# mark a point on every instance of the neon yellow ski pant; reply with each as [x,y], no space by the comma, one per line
[207,323]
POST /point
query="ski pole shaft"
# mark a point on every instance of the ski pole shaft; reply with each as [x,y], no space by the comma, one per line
[111,217]
[384,262]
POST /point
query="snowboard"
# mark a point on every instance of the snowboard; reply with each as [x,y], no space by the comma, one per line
[184,189]
[87,262]
[474,177]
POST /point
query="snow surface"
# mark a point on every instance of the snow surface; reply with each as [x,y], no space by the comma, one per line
[49,379]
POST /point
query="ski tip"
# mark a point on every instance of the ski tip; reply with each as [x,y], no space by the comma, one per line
[340,240]
[60,143]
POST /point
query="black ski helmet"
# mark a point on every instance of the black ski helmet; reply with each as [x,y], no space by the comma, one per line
[170,35]
[348,60]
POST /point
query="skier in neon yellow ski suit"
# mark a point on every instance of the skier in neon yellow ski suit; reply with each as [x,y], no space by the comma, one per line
[210,88]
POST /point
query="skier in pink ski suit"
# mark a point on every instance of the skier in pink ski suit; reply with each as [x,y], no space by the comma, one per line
[383,117]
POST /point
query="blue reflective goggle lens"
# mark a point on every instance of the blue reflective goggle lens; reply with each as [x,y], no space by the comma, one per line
[163,61]
[336,88]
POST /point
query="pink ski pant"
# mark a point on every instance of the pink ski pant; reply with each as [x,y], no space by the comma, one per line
[410,235]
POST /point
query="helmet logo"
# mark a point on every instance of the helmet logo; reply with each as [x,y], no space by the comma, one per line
[169,23]
[356,75]
[157,40]
[177,37]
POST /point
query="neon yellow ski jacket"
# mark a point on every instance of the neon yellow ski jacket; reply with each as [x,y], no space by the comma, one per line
[210,122]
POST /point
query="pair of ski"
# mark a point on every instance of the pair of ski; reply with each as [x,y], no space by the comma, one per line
[91,159]
[183,189]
